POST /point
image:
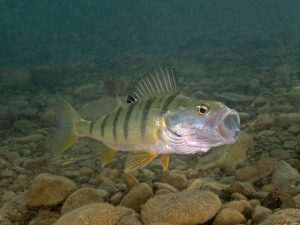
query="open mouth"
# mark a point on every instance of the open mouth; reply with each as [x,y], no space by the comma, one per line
[229,127]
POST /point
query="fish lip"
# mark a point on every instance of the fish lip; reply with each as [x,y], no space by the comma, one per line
[229,136]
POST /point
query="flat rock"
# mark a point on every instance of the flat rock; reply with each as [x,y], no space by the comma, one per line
[229,217]
[81,197]
[259,170]
[44,217]
[96,214]
[242,206]
[244,188]
[283,217]
[175,179]
[181,208]
[49,190]
[137,196]
[260,213]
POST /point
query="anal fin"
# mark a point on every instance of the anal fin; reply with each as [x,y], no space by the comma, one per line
[165,162]
[107,156]
[139,160]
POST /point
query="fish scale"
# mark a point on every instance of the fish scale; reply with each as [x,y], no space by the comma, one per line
[134,124]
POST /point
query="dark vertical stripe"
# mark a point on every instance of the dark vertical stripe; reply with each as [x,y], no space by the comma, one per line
[91,127]
[115,123]
[103,125]
[127,119]
[145,114]
[167,103]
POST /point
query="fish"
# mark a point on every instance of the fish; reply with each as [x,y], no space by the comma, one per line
[157,121]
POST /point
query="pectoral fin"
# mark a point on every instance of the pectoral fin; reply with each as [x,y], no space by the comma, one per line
[107,156]
[138,160]
[165,161]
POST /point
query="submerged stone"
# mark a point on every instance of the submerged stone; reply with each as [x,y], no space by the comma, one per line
[182,208]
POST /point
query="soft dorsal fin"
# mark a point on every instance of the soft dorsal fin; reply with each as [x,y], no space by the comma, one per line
[155,83]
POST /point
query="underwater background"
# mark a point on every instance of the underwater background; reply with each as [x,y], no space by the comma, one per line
[245,54]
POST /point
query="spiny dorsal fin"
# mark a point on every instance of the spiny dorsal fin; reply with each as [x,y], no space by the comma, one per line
[156,83]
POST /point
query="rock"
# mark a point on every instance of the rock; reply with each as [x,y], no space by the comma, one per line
[227,157]
[284,173]
[244,188]
[229,217]
[163,192]
[4,164]
[208,184]
[242,206]
[177,180]
[259,170]
[244,117]
[260,213]
[44,217]
[263,122]
[286,119]
[137,196]
[296,200]
[81,197]
[294,95]
[23,126]
[160,186]
[238,196]
[14,210]
[283,180]
[255,203]
[7,173]
[259,101]
[86,171]
[96,214]
[187,207]
[30,138]
[49,190]
[294,130]
[130,220]
[116,198]
[283,217]
[159,224]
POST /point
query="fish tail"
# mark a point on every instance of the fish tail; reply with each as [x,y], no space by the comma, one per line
[71,126]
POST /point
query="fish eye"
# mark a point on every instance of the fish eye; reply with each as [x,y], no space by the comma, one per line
[202,109]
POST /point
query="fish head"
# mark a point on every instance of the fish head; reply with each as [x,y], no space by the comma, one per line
[200,125]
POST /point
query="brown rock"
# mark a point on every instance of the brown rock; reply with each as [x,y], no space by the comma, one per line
[130,220]
[81,197]
[297,200]
[44,217]
[159,224]
[244,188]
[49,190]
[160,185]
[177,180]
[137,196]
[261,169]
[242,206]
[283,217]
[260,213]
[229,217]
[187,207]
[95,214]
[238,196]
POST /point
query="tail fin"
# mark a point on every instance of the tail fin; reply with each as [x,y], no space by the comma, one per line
[71,126]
